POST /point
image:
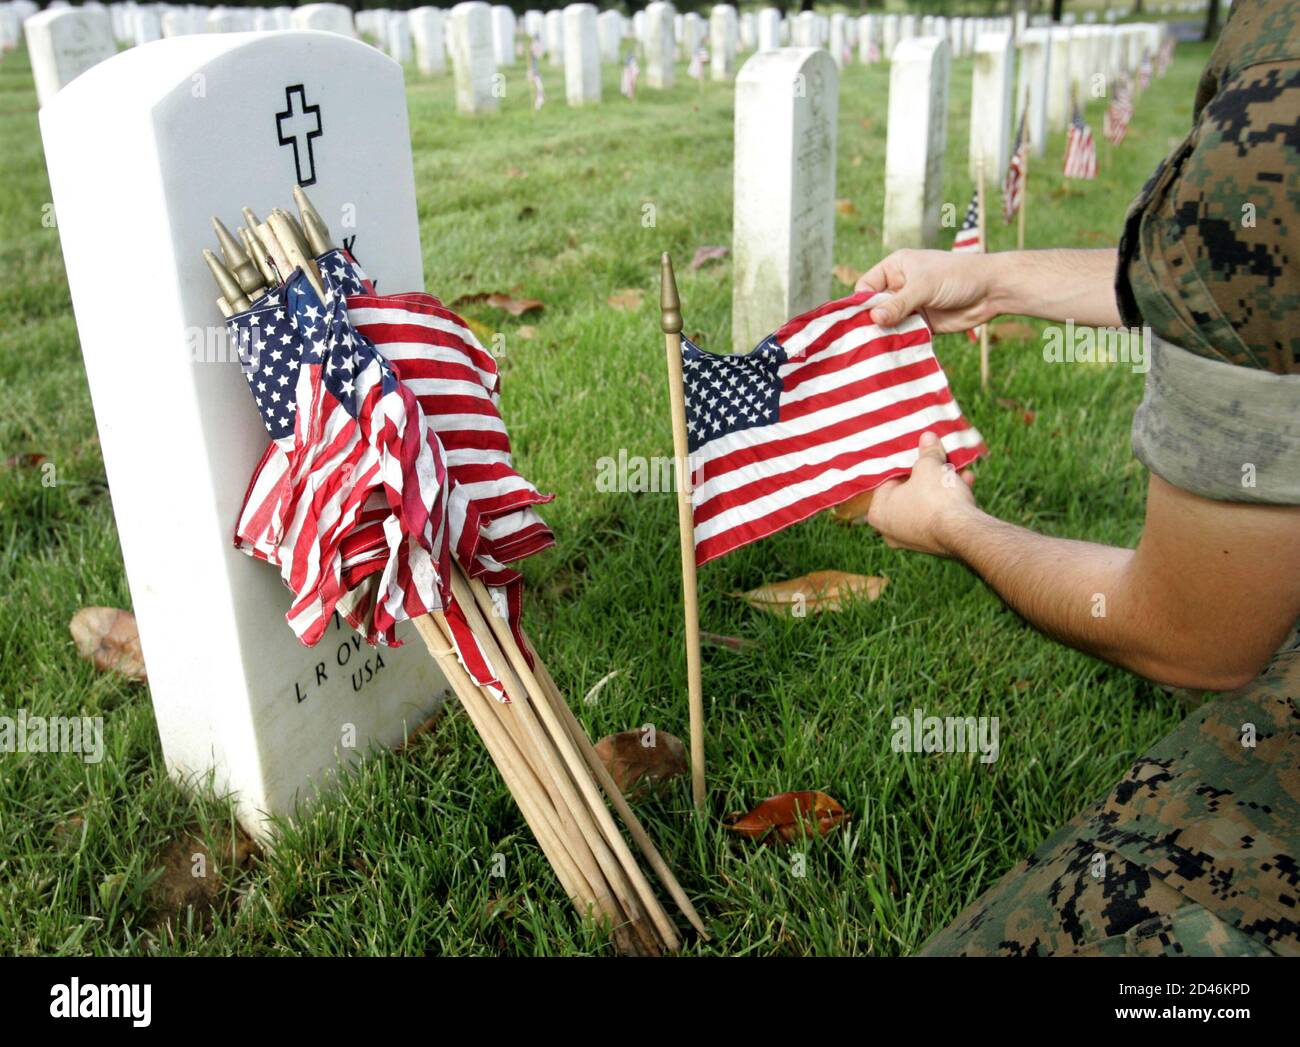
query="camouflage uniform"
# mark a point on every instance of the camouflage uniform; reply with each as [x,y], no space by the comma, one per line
[1197,850]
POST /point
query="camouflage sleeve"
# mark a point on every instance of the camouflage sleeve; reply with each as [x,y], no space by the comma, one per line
[1210,258]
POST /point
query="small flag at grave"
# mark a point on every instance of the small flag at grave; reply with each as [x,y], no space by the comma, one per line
[535,79]
[698,61]
[968,240]
[1013,185]
[1080,149]
[826,408]
[631,73]
[1144,71]
[1166,56]
[404,446]
[1118,113]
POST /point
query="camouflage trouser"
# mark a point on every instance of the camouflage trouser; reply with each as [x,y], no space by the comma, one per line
[1195,852]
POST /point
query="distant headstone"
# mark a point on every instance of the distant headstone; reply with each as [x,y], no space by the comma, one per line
[724,35]
[503,35]
[990,105]
[146,26]
[238,699]
[63,44]
[428,34]
[783,227]
[660,47]
[769,29]
[399,39]
[469,45]
[869,39]
[329,18]
[1059,84]
[1032,86]
[694,34]
[888,36]
[804,30]
[838,42]
[555,37]
[609,27]
[917,135]
[581,55]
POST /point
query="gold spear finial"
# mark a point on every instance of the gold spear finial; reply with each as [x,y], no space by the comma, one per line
[311,218]
[258,255]
[670,305]
[237,261]
[230,289]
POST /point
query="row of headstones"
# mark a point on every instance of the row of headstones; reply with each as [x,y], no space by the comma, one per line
[784,167]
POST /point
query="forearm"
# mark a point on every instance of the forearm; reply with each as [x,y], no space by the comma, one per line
[1073,591]
[1057,285]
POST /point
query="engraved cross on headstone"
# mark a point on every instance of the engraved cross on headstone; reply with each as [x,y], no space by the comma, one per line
[297,126]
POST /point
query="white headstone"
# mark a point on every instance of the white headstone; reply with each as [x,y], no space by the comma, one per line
[659,45]
[469,44]
[1033,85]
[693,34]
[555,37]
[748,31]
[769,29]
[146,26]
[1058,87]
[399,40]
[917,135]
[229,20]
[235,694]
[503,35]
[990,105]
[838,42]
[723,38]
[329,18]
[804,31]
[581,55]
[609,27]
[888,36]
[63,44]
[427,34]
[784,220]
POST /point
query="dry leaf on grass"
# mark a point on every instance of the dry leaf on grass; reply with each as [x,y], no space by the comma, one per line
[1026,415]
[496,300]
[635,764]
[788,817]
[854,510]
[107,637]
[815,593]
[628,299]
[27,460]
[704,255]
[845,207]
[526,331]
[846,274]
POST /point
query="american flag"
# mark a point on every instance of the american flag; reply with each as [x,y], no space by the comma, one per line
[489,519]
[1166,55]
[967,240]
[1118,113]
[873,52]
[1144,71]
[827,407]
[1080,149]
[698,60]
[631,71]
[1013,185]
[345,430]
[535,79]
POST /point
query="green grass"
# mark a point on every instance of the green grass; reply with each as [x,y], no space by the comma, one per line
[395,861]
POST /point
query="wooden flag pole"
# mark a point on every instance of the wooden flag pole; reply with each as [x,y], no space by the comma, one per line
[671,322]
[1024,194]
[984,247]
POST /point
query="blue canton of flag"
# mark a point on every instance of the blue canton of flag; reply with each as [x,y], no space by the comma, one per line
[726,394]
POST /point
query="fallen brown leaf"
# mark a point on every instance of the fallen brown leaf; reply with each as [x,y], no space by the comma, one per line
[704,255]
[814,593]
[629,299]
[788,817]
[846,274]
[1026,415]
[495,300]
[636,765]
[845,207]
[186,881]
[108,638]
[526,331]
[854,509]
[27,460]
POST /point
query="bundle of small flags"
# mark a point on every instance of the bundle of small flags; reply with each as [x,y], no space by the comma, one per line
[1118,113]
[1013,185]
[631,72]
[1080,149]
